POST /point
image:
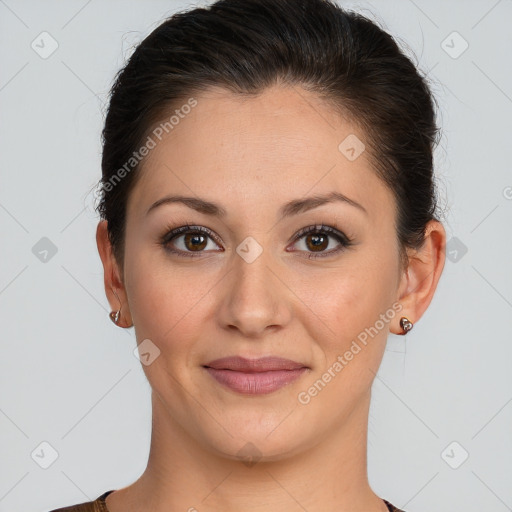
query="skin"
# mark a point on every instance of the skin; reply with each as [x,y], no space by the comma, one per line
[252,155]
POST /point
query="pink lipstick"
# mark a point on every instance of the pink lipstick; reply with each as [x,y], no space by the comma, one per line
[255,376]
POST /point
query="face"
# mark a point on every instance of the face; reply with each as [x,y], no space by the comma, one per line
[249,279]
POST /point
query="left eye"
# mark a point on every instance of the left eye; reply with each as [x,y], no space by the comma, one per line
[317,239]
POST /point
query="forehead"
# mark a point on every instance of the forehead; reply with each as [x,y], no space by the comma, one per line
[254,150]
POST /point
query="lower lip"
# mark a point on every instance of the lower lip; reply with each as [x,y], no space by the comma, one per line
[255,383]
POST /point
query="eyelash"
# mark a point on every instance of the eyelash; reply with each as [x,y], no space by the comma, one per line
[333,231]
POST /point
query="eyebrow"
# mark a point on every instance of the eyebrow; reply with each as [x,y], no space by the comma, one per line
[293,207]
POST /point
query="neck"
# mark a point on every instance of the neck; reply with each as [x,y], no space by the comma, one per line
[183,475]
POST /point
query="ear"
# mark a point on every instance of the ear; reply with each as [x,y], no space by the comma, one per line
[420,278]
[114,286]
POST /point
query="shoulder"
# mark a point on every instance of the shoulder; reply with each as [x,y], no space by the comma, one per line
[97,505]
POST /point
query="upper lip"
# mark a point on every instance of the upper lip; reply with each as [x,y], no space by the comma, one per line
[263,364]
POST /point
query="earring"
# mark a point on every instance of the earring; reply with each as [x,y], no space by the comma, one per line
[114,316]
[405,324]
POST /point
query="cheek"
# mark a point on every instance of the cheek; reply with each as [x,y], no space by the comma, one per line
[350,298]
[165,304]
[162,296]
[168,309]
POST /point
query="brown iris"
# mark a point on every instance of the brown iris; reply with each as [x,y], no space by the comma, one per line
[193,238]
[318,241]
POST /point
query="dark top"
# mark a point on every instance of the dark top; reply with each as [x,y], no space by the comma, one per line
[99,505]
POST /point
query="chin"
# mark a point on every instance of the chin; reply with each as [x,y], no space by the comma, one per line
[257,438]
[256,449]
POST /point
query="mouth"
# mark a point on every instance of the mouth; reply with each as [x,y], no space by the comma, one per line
[255,376]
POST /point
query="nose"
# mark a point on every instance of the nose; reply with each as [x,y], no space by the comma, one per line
[254,300]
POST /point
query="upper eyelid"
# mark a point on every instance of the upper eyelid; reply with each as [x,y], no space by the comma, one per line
[331,230]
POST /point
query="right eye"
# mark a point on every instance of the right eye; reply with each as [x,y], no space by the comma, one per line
[191,239]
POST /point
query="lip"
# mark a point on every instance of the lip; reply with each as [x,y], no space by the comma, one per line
[255,376]
[262,364]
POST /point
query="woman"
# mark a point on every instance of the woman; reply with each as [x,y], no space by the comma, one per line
[268,217]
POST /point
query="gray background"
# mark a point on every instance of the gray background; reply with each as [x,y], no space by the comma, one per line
[68,376]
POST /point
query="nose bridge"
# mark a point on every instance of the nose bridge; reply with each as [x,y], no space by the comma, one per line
[251,269]
[254,300]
